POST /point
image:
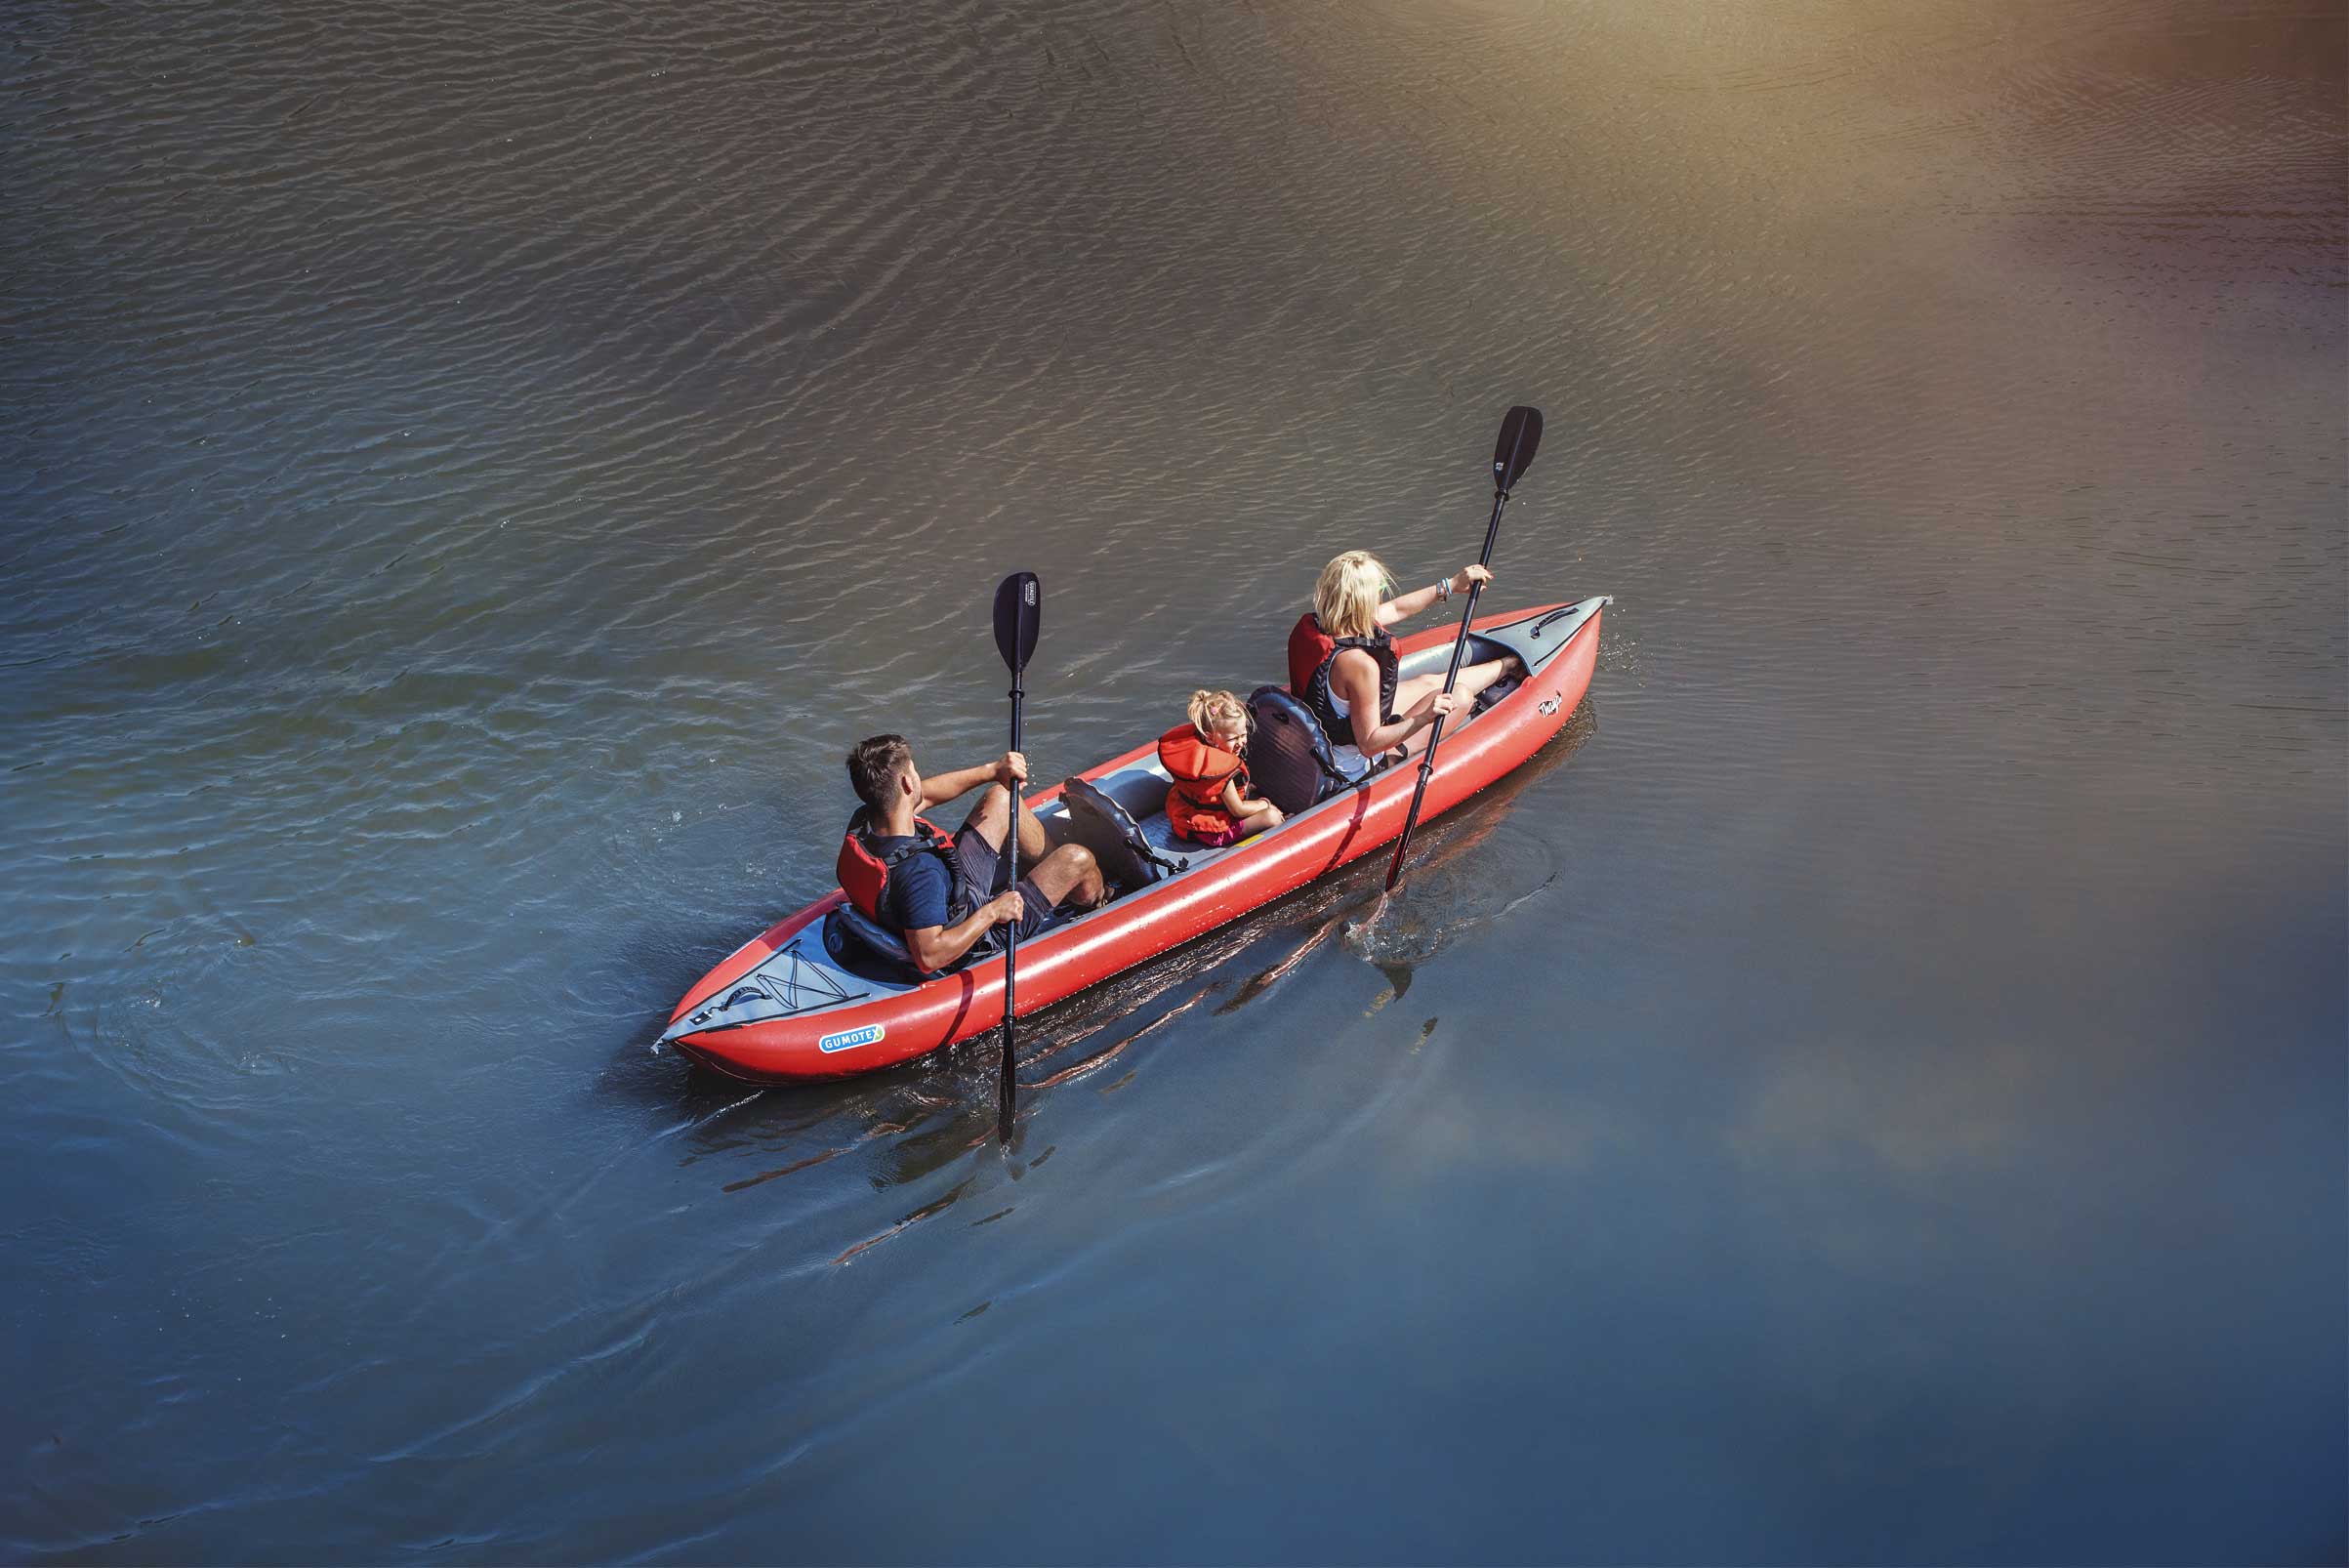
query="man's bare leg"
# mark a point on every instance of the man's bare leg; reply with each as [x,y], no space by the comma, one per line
[1032,845]
[988,818]
[1069,876]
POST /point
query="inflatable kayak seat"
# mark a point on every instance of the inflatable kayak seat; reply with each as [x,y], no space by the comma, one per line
[868,949]
[1140,789]
[1097,820]
[1289,758]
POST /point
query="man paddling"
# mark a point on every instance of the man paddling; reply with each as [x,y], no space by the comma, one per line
[939,893]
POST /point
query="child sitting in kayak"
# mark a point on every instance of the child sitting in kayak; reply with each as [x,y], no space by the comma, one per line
[1207,802]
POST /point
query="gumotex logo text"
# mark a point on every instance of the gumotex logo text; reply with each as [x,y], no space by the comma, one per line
[848,1038]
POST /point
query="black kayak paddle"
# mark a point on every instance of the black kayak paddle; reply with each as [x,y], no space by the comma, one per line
[1512,455]
[1018,612]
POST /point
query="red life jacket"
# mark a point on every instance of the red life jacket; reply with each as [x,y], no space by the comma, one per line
[1309,649]
[864,874]
[1200,769]
[1311,652]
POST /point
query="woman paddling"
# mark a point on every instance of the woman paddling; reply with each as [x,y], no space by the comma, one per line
[1341,662]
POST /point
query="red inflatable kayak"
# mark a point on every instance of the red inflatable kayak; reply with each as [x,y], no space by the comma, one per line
[810,998]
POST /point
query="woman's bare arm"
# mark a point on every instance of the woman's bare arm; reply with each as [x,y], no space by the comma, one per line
[1355,678]
[1403,607]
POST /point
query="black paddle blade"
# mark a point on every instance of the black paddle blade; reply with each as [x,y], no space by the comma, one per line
[1513,453]
[1018,612]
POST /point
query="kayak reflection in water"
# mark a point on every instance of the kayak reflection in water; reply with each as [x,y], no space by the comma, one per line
[940,893]
[1341,662]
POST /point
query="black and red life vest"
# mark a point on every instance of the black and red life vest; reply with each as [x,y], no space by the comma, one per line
[864,875]
[1200,768]
[1311,653]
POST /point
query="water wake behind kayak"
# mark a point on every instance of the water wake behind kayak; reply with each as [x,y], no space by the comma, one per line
[1441,902]
[1475,869]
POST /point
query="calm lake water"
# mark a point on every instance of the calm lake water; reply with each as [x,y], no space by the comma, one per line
[1874,1090]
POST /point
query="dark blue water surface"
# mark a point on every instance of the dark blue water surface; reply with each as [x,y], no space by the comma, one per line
[1873,1091]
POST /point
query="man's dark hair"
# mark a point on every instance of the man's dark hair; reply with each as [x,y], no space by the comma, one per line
[872,767]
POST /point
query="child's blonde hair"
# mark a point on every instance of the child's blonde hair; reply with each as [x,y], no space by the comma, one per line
[1346,598]
[1214,711]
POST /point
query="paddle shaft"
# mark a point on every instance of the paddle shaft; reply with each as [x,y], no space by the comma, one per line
[1459,646]
[1011,931]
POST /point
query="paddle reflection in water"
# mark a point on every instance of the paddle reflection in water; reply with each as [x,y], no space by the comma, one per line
[1455,889]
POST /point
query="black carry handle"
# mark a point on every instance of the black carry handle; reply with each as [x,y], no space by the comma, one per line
[1512,455]
[1019,614]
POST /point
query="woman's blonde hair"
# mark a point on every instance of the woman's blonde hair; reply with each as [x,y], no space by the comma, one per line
[1211,711]
[1346,598]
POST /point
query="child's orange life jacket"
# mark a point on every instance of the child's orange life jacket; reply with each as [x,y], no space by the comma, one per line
[1200,769]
